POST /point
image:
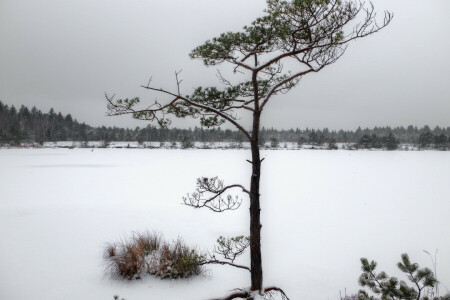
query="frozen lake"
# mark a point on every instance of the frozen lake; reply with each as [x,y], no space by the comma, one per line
[321,212]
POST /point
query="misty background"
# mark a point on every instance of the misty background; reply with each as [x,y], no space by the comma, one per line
[67,54]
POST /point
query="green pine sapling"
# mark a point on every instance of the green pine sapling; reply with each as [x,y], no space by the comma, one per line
[390,287]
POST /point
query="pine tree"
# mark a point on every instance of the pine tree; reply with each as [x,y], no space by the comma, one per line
[390,287]
[390,142]
[311,33]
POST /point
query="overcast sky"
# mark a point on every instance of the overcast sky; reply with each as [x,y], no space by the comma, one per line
[66,54]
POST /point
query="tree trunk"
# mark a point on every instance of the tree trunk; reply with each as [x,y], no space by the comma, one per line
[255,224]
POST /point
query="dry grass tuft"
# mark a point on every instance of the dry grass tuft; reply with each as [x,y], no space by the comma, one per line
[146,252]
[176,260]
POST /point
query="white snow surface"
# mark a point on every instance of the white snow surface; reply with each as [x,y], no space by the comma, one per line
[321,212]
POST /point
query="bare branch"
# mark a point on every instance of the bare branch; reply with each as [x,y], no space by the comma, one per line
[126,106]
[286,81]
[219,262]
[240,64]
[209,194]
[230,248]
[149,81]
[269,290]
[177,80]
[238,293]
[248,294]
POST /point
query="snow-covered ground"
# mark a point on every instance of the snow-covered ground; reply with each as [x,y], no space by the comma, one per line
[321,212]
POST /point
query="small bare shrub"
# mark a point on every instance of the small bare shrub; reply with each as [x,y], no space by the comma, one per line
[147,252]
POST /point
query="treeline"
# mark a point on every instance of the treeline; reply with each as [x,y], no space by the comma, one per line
[32,125]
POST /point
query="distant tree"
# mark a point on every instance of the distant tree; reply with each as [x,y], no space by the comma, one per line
[321,139]
[365,141]
[440,141]
[274,143]
[106,141]
[187,142]
[310,35]
[68,119]
[301,141]
[390,142]
[140,139]
[377,143]
[425,139]
[262,141]
[313,138]
[332,144]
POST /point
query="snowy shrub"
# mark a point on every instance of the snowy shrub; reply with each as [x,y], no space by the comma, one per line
[148,253]
[176,260]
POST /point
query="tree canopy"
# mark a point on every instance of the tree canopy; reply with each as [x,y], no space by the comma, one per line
[292,39]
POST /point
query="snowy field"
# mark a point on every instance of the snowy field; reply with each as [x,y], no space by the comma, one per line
[321,212]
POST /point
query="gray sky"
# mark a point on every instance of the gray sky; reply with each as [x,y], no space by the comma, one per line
[66,54]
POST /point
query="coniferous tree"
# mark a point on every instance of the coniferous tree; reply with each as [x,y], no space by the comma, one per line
[187,143]
[440,141]
[425,138]
[274,143]
[313,138]
[365,141]
[390,287]
[332,144]
[311,33]
[390,142]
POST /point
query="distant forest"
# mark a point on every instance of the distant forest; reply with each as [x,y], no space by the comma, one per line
[25,125]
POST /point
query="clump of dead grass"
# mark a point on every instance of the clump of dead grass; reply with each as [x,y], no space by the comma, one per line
[148,253]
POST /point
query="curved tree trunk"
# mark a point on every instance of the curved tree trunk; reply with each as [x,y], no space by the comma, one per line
[255,224]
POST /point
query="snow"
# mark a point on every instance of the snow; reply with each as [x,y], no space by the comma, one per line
[321,212]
